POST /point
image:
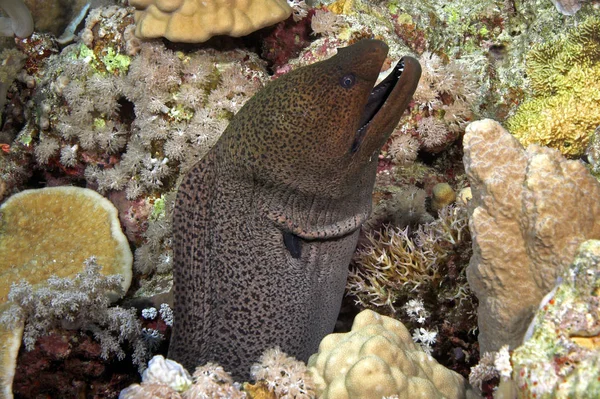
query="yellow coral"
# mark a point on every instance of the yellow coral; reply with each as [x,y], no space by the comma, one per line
[52,231]
[196,21]
[379,358]
[565,120]
[565,79]
[442,195]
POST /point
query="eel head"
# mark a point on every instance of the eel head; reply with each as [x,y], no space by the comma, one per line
[321,128]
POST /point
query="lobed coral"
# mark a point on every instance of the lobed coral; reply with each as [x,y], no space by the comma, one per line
[564,76]
[530,211]
[195,21]
[378,358]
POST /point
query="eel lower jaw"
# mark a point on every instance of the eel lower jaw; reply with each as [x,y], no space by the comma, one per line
[377,99]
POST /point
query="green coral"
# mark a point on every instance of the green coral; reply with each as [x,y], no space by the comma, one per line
[114,61]
[565,80]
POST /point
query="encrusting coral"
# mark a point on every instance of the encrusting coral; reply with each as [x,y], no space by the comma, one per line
[564,77]
[530,211]
[379,358]
[560,357]
[195,21]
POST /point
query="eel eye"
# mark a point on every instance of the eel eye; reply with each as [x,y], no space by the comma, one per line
[293,244]
[347,81]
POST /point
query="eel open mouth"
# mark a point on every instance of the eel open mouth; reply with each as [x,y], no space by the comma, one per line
[377,99]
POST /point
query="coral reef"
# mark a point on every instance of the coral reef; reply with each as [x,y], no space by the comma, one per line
[195,21]
[132,124]
[50,313]
[564,74]
[530,211]
[277,375]
[382,349]
[560,357]
[126,117]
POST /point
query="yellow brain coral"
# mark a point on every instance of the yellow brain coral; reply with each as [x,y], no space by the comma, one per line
[379,358]
[196,21]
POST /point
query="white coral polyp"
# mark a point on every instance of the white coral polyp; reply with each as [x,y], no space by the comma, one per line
[167,372]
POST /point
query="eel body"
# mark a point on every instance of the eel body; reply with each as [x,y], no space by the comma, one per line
[266,223]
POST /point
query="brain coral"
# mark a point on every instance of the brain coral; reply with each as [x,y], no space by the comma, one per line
[379,358]
[530,211]
[565,79]
[196,21]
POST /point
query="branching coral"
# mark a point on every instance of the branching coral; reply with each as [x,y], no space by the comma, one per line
[564,76]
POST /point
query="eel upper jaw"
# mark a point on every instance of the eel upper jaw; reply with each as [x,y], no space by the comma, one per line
[396,88]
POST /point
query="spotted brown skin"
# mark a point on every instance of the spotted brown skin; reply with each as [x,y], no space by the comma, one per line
[266,223]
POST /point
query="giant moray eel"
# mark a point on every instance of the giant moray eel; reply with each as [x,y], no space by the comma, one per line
[266,223]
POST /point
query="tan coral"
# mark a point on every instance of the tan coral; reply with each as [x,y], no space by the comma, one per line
[51,231]
[379,358]
[196,21]
[530,211]
[10,342]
